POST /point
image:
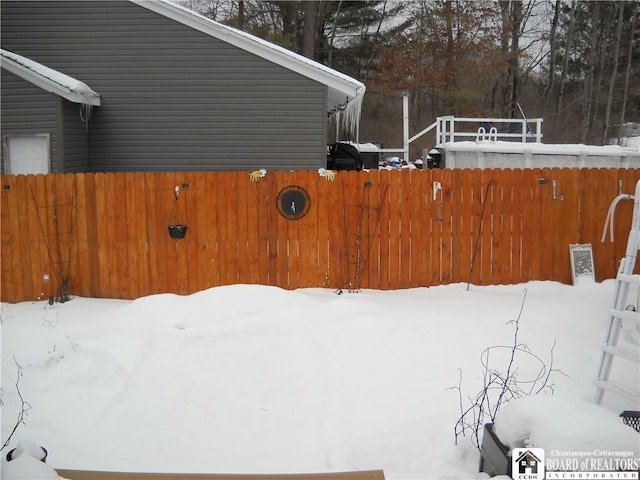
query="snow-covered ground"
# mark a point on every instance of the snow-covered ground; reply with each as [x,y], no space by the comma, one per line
[255,379]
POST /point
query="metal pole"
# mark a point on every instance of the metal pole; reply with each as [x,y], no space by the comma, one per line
[405,125]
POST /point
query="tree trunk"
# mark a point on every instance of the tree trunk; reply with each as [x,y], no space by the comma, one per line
[553,54]
[450,80]
[589,79]
[614,73]
[241,14]
[514,57]
[333,34]
[309,39]
[287,11]
[567,54]
[603,59]
[504,48]
[377,36]
[627,74]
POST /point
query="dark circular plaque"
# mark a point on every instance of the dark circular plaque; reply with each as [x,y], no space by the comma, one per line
[293,202]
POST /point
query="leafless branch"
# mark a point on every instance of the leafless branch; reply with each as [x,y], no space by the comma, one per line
[500,386]
[24,407]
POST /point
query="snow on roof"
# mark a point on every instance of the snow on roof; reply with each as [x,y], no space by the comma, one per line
[344,92]
[48,79]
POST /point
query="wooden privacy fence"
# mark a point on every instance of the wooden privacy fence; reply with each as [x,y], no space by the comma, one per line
[105,234]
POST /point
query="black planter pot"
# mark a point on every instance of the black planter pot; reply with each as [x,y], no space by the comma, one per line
[494,456]
[43,459]
[177,232]
[631,418]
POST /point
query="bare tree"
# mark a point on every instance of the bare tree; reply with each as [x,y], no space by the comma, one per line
[565,64]
[309,38]
[589,80]
[332,35]
[627,76]
[514,58]
[614,73]
[553,52]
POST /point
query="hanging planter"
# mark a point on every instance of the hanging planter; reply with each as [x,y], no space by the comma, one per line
[177,231]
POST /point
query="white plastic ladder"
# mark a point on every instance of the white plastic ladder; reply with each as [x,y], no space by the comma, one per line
[619,313]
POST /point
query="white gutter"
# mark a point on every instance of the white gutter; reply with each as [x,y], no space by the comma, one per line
[48,79]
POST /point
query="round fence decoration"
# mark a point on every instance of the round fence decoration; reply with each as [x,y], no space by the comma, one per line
[293,202]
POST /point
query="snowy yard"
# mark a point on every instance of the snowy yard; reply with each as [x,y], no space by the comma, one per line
[255,379]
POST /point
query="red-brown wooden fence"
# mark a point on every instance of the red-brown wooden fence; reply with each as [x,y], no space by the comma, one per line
[107,232]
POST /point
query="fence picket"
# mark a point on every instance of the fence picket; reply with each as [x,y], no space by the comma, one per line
[138,242]
[457,204]
[222,236]
[211,259]
[568,199]
[436,220]
[516,226]
[232,207]
[35,196]
[503,257]
[416,238]
[194,189]
[384,195]
[22,224]
[323,211]
[8,237]
[395,218]
[465,240]
[447,216]
[308,270]
[335,238]
[281,259]
[102,278]
[262,204]
[174,212]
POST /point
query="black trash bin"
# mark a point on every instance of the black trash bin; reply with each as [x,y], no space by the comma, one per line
[370,159]
[343,156]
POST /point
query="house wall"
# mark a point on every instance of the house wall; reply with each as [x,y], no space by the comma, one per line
[173,98]
[75,140]
[27,109]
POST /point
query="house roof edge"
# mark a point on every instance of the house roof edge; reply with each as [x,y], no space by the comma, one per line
[48,79]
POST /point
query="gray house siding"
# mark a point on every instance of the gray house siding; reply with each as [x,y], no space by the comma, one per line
[29,110]
[173,98]
[75,139]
